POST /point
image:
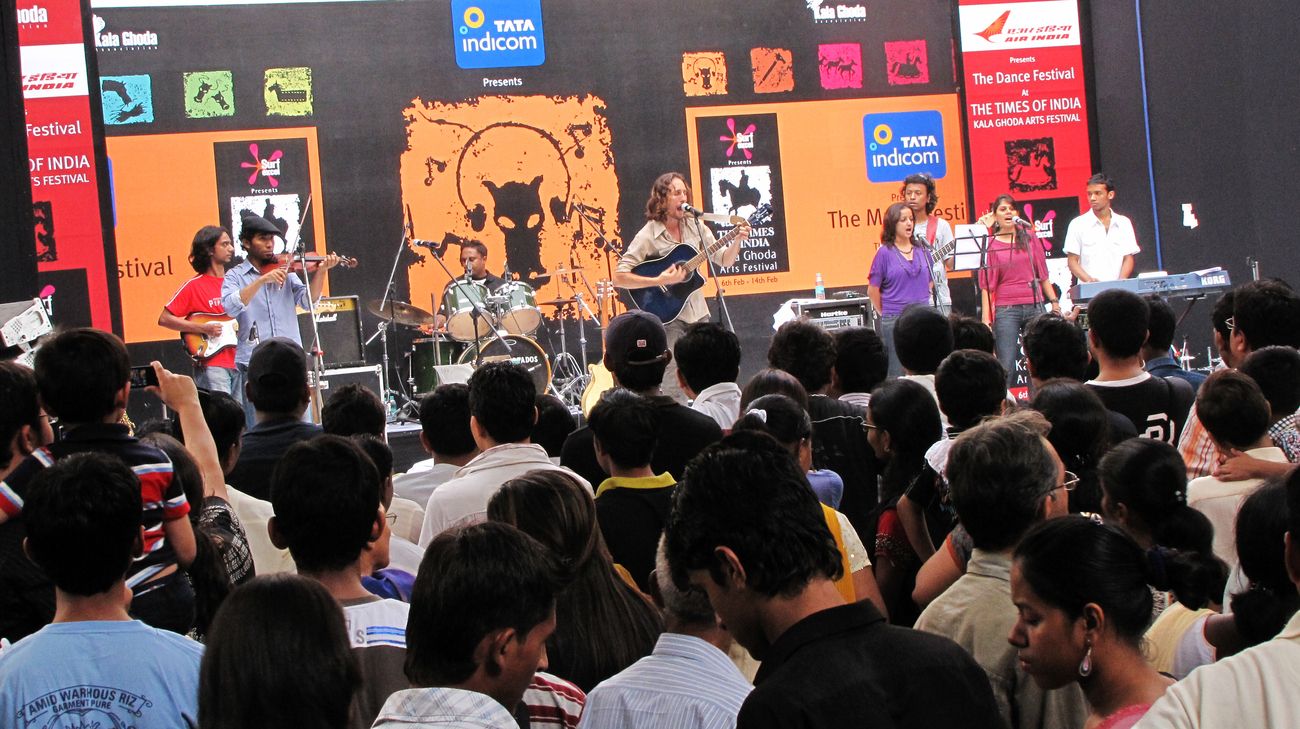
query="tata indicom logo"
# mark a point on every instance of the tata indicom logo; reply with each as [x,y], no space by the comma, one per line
[498,33]
[902,143]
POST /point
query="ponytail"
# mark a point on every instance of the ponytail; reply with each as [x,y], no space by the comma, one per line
[1196,579]
[1263,609]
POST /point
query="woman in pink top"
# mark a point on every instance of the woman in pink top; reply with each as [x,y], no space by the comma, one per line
[1015,260]
[1080,589]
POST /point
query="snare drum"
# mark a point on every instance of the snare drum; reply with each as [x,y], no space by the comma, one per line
[521,315]
[523,351]
[426,355]
[459,301]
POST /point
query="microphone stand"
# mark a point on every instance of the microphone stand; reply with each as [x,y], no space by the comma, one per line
[713,274]
[1035,283]
[299,250]
[928,252]
[387,393]
[605,245]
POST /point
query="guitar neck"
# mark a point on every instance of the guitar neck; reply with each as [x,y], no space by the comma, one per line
[717,245]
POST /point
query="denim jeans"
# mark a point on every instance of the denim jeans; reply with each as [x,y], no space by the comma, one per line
[1008,323]
[214,379]
[887,337]
[237,390]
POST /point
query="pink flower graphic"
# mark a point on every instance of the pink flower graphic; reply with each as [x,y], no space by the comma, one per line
[257,166]
[735,138]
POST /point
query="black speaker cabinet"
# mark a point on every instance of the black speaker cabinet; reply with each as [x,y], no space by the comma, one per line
[339,321]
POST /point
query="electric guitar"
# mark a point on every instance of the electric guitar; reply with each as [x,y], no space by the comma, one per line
[203,347]
[666,302]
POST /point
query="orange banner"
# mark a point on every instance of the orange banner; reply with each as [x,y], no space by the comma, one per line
[158,213]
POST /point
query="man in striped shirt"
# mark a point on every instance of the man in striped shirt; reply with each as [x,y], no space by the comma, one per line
[688,682]
[1262,313]
[83,379]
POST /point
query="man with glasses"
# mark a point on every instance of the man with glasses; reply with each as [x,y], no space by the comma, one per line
[1005,477]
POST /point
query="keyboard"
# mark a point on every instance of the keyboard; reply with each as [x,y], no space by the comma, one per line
[1177,285]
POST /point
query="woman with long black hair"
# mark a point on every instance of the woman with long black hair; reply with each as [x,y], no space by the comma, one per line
[1014,271]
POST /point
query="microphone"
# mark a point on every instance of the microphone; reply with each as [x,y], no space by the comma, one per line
[690,210]
[410,224]
[1021,222]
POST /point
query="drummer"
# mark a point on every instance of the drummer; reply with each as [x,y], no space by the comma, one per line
[473,259]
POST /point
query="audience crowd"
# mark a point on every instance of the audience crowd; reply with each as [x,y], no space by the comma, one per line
[872,531]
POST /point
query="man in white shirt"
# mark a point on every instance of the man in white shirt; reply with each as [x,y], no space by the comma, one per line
[1100,244]
[445,435]
[687,681]
[1255,688]
[482,610]
[708,363]
[1234,412]
[919,194]
[503,410]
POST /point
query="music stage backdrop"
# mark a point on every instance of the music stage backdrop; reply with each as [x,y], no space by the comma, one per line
[494,120]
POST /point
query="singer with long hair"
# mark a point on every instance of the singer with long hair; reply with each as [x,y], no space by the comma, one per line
[900,276]
[1013,280]
[667,226]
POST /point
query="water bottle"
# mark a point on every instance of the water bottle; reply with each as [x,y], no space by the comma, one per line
[819,289]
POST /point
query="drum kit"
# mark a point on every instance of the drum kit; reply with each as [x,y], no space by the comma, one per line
[496,326]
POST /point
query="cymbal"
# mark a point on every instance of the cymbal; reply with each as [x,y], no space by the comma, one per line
[560,272]
[400,313]
[558,302]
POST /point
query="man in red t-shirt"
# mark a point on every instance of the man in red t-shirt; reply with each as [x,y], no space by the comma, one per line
[210,253]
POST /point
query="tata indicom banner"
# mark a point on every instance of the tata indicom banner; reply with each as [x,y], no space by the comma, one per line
[1026,107]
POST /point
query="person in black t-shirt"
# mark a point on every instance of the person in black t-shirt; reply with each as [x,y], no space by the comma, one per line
[1056,347]
[1156,406]
[839,444]
[636,355]
[747,530]
[633,503]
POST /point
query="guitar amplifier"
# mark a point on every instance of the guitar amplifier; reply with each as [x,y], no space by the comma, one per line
[339,320]
[369,377]
[834,314]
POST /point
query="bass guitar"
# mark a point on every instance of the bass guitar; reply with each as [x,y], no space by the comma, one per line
[666,302]
[203,347]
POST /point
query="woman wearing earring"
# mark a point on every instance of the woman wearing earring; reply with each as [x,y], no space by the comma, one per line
[900,276]
[1009,297]
[1081,592]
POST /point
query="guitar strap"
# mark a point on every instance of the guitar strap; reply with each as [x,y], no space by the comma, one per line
[931,226]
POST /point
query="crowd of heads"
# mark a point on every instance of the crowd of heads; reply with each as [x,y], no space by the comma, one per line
[1095,526]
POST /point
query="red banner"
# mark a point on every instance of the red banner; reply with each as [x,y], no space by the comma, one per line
[1026,108]
[72,255]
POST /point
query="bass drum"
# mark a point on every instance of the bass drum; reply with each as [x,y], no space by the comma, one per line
[426,356]
[520,315]
[522,351]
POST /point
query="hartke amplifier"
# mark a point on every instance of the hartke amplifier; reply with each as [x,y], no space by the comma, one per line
[339,321]
[836,314]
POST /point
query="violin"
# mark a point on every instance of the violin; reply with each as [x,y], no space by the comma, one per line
[295,264]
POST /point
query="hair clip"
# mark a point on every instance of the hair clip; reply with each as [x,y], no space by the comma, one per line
[761,414]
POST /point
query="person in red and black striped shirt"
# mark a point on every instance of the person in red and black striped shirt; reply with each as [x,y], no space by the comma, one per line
[83,379]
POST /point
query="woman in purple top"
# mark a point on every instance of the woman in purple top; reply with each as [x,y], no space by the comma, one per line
[900,276]
[1015,260]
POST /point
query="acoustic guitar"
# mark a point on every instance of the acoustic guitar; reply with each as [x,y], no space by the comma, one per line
[203,347]
[666,302]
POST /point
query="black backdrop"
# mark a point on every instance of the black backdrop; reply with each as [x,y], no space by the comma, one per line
[370,59]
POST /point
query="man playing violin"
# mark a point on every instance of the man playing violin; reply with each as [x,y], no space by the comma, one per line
[261,294]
